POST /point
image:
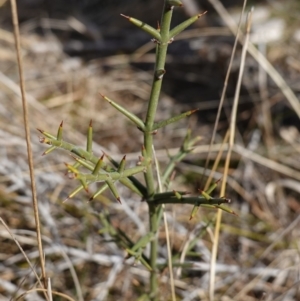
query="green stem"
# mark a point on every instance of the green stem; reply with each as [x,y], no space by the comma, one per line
[159,70]
[161,52]
[153,219]
[197,201]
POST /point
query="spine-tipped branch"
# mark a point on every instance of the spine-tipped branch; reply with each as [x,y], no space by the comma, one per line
[147,28]
[164,123]
[136,120]
[182,26]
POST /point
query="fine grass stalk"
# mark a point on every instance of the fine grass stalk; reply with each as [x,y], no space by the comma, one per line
[28,139]
[228,156]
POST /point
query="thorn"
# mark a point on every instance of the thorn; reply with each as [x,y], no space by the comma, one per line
[102,95]
[61,124]
[228,201]
[155,41]
[91,123]
[71,172]
[160,73]
[200,15]
[193,111]
[119,200]
[68,197]
[44,153]
[42,139]
[125,16]
[71,175]
[41,131]
[143,151]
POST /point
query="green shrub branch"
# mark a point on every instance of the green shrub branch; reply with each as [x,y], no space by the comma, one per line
[112,172]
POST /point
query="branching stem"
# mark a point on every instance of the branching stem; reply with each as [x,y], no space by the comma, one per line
[159,70]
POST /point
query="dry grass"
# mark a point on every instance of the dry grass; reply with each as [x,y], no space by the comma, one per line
[258,250]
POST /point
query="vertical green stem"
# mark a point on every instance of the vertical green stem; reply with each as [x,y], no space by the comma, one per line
[161,52]
[153,252]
